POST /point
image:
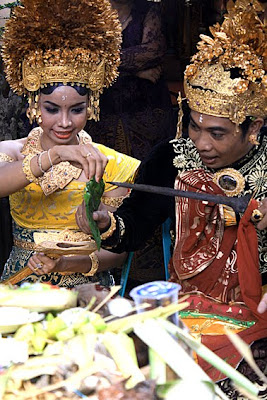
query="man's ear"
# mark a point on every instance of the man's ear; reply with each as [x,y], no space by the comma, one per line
[255,126]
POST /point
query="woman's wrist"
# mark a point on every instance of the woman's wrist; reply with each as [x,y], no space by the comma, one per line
[94,260]
[29,167]
[74,263]
[35,166]
[53,157]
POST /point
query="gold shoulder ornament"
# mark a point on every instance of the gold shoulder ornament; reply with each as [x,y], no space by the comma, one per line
[230,181]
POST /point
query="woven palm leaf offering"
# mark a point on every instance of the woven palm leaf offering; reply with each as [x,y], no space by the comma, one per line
[69,242]
[92,197]
[55,245]
[77,353]
[37,297]
[66,242]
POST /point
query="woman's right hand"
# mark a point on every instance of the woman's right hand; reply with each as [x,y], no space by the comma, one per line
[85,156]
[101,217]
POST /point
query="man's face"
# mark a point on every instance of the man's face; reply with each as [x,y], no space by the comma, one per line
[216,139]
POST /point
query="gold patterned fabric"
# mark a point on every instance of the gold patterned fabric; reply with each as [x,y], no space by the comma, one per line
[63,173]
[5,158]
[32,210]
[114,201]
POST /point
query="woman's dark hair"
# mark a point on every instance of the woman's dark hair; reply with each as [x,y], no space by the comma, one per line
[79,89]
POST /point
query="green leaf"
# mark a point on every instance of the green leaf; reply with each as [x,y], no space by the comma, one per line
[246,352]
[162,390]
[205,353]
[92,196]
[122,350]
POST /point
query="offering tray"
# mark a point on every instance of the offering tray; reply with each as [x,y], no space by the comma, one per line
[55,245]
[58,249]
[64,243]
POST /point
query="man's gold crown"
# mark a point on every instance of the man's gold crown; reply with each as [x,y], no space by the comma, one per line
[227,75]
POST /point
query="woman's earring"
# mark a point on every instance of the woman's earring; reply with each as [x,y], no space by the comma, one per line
[89,113]
[38,115]
[253,139]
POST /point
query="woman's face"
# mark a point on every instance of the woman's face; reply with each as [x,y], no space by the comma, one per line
[216,139]
[64,114]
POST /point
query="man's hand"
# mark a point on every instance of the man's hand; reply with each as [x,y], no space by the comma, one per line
[100,216]
[263,209]
[262,307]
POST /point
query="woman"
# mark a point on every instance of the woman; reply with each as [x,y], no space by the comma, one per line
[45,174]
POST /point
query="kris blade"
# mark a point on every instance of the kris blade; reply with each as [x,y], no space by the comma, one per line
[239,204]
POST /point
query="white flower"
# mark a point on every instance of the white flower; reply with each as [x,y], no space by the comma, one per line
[257,180]
[179,161]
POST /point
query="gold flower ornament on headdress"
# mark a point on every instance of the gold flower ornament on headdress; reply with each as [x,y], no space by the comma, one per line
[69,41]
[227,75]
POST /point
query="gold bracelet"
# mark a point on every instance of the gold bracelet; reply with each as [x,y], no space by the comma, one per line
[112,227]
[115,202]
[95,264]
[39,161]
[5,158]
[26,167]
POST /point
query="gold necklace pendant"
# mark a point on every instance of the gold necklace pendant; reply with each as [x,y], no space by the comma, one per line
[230,181]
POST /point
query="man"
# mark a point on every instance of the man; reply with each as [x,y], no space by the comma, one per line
[219,256]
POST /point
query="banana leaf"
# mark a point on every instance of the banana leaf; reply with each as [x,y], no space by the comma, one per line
[92,196]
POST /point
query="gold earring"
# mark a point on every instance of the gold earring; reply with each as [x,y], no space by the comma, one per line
[253,139]
[179,127]
[89,113]
[33,110]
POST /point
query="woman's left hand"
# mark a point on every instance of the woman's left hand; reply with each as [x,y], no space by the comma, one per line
[41,264]
[263,209]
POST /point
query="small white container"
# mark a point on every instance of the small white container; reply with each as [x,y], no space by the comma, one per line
[157,293]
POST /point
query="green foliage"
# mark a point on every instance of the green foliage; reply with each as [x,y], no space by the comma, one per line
[92,197]
[9,5]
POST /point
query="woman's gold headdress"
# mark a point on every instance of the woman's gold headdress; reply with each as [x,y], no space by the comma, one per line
[227,75]
[69,41]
